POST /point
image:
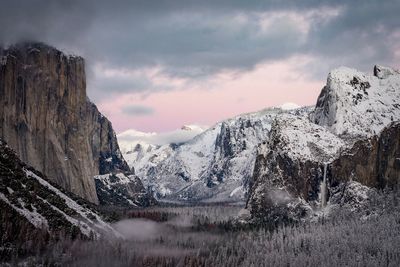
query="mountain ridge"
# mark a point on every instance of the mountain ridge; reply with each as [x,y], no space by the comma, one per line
[212,166]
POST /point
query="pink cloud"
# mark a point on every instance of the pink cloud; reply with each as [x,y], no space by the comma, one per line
[268,85]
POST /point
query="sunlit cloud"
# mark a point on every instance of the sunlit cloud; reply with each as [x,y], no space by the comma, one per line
[188,59]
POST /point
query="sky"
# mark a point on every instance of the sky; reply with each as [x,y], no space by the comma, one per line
[158,65]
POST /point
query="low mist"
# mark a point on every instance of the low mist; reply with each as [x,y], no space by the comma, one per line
[139,229]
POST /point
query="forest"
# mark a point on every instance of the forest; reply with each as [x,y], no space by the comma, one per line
[211,235]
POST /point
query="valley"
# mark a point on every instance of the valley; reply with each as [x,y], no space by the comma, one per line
[284,186]
[211,236]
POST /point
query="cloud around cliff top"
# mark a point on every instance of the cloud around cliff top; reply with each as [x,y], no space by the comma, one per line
[138,49]
[196,39]
[130,138]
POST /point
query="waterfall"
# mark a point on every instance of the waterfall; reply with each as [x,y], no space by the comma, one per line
[323,188]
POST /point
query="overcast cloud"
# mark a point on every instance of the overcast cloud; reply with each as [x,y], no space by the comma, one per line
[136,110]
[195,40]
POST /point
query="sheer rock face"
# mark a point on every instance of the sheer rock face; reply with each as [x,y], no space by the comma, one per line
[374,162]
[352,138]
[46,118]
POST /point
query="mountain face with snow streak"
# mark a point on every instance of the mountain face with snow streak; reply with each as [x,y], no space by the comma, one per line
[348,146]
[32,203]
[213,166]
[122,189]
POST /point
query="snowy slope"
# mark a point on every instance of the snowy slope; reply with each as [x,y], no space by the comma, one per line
[301,139]
[213,166]
[43,204]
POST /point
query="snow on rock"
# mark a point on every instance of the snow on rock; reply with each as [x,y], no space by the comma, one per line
[383,72]
[142,150]
[27,192]
[211,165]
[32,216]
[301,139]
[122,190]
[316,158]
[236,191]
[355,104]
[351,196]
[89,222]
[289,106]
[130,139]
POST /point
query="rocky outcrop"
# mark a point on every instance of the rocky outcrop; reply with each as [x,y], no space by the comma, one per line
[354,104]
[236,140]
[374,162]
[289,168]
[122,190]
[384,72]
[40,207]
[46,117]
[349,145]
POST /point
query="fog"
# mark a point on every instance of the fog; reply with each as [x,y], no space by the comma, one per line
[208,236]
[139,229]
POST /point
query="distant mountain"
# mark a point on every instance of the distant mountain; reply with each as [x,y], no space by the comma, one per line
[135,144]
[215,165]
[349,145]
[46,117]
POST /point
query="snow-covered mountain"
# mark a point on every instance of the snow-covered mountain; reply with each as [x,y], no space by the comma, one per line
[135,145]
[348,145]
[354,103]
[128,140]
[215,165]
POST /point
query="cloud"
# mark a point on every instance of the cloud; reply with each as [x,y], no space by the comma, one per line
[130,138]
[136,110]
[196,40]
[139,229]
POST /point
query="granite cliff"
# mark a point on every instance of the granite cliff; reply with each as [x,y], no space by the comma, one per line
[46,117]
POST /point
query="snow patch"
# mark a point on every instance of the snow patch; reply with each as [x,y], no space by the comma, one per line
[301,139]
[95,221]
[236,190]
[33,217]
[289,106]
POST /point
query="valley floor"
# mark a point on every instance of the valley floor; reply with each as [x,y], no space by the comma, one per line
[207,236]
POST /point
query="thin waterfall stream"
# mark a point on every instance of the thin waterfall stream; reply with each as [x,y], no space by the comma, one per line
[324,188]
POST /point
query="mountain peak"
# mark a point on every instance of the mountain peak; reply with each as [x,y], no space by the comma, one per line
[193,127]
[354,103]
[383,72]
[289,106]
